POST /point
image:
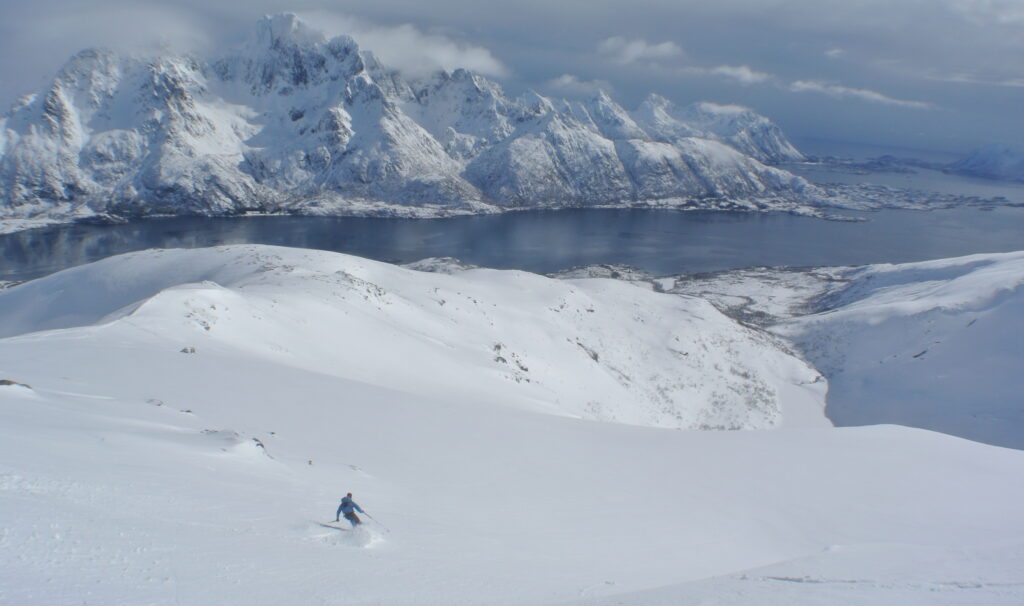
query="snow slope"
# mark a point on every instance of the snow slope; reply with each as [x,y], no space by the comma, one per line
[132,472]
[738,126]
[295,122]
[935,345]
[595,348]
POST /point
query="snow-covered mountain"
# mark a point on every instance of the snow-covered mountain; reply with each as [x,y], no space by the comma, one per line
[293,121]
[735,125]
[992,162]
[176,425]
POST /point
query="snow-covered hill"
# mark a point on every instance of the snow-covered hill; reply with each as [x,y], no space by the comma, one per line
[296,122]
[936,344]
[597,349]
[174,424]
[992,162]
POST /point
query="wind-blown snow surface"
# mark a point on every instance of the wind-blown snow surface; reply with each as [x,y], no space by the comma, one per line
[296,122]
[132,472]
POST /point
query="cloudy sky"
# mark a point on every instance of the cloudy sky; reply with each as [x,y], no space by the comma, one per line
[927,74]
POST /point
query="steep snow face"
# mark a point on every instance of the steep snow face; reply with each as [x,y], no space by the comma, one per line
[742,128]
[597,349]
[141,135]
[655,114]
[934,345]
[465,112]
[329,128]
[553,157]
[295,121]
[734,125]
[585,155]
[993,162]
[608,118]
[706,168]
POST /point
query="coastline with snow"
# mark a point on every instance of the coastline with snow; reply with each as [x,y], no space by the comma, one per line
[295,122]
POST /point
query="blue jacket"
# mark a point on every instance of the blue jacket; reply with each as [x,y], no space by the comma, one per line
[347,505]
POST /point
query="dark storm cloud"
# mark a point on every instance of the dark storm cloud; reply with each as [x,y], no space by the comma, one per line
[943,74]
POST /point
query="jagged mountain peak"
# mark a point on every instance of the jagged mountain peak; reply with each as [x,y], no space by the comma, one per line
[656,115]
[464,75]
[536,102]
[464,82]
[601,96]
[284,29]
[604,100]
[87,60]
[721,119]
[285,53]
[735,125]
[611,119]
[744,129]
[294,120]
[656,101]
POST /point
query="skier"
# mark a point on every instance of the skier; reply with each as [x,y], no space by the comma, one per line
[349,508]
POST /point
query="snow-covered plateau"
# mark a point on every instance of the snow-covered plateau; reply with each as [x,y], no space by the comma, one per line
[177,424]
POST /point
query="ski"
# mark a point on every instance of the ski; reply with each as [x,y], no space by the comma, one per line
[326,525]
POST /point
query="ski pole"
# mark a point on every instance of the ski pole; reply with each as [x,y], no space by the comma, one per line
[378,523]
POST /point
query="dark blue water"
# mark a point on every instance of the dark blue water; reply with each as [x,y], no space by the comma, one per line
[662,242]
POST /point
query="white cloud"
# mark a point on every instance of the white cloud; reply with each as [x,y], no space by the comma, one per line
[835,53]
[747,76]
[407,48]
[1002,12]
[570,85]
[623,51]
[142,27]
[963,78]
[839,91]
[742,74]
